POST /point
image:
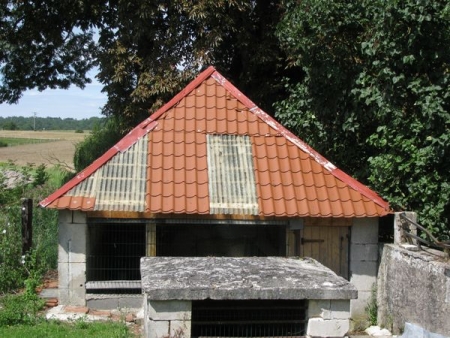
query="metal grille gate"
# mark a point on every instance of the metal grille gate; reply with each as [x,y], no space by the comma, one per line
[114,252]
[248,318]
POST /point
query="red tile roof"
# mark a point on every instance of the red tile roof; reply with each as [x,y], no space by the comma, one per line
[292,179]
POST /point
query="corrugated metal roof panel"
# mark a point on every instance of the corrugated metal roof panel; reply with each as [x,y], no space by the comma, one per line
[232,188]
[120,183]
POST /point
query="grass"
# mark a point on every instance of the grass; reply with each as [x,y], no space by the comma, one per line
[21,316]
[77,329]
[12,141]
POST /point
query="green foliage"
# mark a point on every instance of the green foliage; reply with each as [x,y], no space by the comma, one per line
[9,125]
[20,309]
[40,176]
[146,51]
[372,307]
[79,131]
[46,44]
[375,96]
[12,271]
[16,141]
[99,141]
[14,267]
[3,144]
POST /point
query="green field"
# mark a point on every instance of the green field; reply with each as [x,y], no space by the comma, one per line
[12,141]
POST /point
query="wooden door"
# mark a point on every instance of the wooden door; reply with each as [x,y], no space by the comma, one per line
[328,245]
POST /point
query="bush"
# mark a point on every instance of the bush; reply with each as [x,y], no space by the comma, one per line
[3,144]
[93,146]
[79,131]
[15,268]
[20,309]
[12,271]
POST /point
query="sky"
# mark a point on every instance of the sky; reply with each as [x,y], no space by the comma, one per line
[70,103]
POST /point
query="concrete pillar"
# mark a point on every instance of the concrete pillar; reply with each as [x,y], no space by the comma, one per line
[328,318]
[363,263]
[72,257]
[169,318]
[399,238]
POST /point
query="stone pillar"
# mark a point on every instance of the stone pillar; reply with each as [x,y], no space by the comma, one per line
[363,263]
[328,318]
[168,318]
[72,257]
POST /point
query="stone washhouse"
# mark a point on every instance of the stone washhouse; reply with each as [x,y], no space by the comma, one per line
[204,215]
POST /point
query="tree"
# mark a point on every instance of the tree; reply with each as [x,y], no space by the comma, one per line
[149,51]
[146,50]
[45,44]
[9,125]
[375,95]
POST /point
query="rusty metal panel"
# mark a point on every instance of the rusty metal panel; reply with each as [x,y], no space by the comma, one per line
[232,187]
[119,185]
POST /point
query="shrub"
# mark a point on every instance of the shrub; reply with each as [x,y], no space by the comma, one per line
[94,145]
[15,268]
[20,309]
[12,271]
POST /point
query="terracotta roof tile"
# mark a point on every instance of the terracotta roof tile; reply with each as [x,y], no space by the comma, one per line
[291,178]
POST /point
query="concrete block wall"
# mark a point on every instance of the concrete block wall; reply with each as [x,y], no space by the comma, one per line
[169,318]
[172,318]
[72,257]
[363,263]
[328,318]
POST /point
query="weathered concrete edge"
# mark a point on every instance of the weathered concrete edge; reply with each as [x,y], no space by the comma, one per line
[175,278]
[239,294]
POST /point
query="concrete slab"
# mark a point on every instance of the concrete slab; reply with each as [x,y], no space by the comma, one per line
[197,278]
[70,313]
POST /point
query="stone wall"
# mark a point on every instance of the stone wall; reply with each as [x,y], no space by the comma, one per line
[72,257]
[413,287]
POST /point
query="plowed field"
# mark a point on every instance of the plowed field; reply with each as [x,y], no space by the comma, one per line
[57,147]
